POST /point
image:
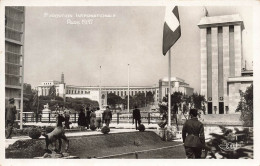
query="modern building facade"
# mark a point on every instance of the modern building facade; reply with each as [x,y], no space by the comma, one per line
[221,63]
[14,54]
[100,93]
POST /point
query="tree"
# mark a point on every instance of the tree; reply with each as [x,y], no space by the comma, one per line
[131,101]
[113,100]
[176,98]
[139,100]
[52,91]
[245,106]
[149,97]
[197,100]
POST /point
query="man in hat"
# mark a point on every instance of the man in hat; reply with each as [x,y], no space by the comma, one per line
[10,112]
[193,135]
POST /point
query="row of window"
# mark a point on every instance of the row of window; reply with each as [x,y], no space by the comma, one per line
[15,14]
[12,69]
[11,47]
[13,24]
[12,58]
[77,92]
[14,35]
[119,93]
[47,83]
[11,80]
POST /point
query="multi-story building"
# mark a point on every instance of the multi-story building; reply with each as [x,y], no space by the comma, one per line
[177,85]
[222,74]
[100,93]
[14,54]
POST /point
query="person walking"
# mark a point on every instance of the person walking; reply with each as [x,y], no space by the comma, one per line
[99,118]
[193,135]
[81,120]
[107,116]
[10,112]
[136,117]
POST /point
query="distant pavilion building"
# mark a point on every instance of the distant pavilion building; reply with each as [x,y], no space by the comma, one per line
[92,92]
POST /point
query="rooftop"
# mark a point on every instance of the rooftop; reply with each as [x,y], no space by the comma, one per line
[234,19]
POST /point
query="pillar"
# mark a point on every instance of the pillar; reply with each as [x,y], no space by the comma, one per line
[214,45]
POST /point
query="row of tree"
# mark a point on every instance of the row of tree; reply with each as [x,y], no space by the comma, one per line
[182,102]
[139,100]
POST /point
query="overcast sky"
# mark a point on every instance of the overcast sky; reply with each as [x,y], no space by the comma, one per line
[132,35]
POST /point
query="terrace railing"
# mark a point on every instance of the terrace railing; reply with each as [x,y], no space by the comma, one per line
[118,118]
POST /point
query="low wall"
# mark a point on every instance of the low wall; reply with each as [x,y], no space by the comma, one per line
[92,145]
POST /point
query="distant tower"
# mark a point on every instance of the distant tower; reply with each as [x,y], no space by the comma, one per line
[62,78]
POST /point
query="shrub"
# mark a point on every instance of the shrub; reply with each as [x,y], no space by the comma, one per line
[141,127]
[35,133]
[246,106]
[49,129]
[105,130]
[93,127]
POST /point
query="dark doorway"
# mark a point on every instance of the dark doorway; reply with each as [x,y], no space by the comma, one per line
[209,107]
[221,107]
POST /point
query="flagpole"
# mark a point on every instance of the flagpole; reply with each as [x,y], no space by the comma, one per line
[169,89]
[37,111]
[128,91]
[100,87]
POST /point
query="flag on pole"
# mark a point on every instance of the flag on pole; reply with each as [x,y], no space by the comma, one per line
[171,29]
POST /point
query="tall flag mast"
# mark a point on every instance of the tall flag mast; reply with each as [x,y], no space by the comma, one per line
[171,33]
[128,89]
[100,87]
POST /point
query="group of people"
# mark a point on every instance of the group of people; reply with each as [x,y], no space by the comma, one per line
[65,112]
[94,117]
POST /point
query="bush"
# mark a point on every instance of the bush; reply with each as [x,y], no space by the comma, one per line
[105,130]
[93,127]
[35,133]
[141,127]
[246,106]
[49,129]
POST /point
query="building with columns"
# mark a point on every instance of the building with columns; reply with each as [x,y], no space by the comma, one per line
[222,72]
[100,93]
[177,85]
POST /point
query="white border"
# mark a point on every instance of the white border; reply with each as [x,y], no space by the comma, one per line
[133,162]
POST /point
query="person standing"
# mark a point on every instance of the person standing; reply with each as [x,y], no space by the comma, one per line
[193,135]
[67,117]
[88,112]
[107,116]
[81,120]
[92,117]
[99,118]
[136,117]
[10,112]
